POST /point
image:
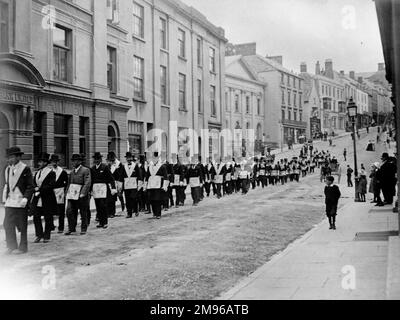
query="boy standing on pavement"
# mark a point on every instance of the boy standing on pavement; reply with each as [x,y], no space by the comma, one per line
[332,196]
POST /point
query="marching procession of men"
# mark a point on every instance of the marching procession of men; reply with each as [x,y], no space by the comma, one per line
[140,184]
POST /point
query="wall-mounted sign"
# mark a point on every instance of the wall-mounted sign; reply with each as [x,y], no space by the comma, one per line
[16,97]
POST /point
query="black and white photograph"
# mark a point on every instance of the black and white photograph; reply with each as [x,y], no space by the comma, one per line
[213,151]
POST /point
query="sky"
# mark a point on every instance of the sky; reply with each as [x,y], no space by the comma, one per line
[345,31]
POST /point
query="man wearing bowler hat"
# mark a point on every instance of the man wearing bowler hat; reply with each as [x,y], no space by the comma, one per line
[60,189]
[115,167]
[103,189]
[131,179]
[44,203]
[386,177]
[79,185]
[17,192]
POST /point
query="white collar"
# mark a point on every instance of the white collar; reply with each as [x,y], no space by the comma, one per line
[77,169]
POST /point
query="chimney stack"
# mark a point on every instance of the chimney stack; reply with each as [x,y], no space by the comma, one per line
[352,75]
[303,67]
[278,59]
[317,68]
[329,68]
[360,80]
[381,66]
[342,72]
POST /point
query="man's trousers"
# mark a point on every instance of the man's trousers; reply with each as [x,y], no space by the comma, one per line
[16,219]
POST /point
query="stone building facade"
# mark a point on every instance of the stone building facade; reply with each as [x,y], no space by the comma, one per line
[82,76]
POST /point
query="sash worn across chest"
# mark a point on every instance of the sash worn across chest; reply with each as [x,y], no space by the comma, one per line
[12,180]
[42,175]
[58,172]
[129,171]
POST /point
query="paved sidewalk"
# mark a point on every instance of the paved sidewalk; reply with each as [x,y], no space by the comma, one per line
[312,267]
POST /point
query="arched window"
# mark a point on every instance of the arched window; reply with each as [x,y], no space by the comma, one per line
[114,139]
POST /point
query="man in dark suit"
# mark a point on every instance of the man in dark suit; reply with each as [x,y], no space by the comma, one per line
[156,183]
[179,176]
[386,177]
[131,179]
[44,202]
[79,185]
[60,190]
[332,196]
[195,180]
[17,192]
[115,167]
[103,190]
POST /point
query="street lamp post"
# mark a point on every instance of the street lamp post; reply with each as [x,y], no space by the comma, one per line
[352,113]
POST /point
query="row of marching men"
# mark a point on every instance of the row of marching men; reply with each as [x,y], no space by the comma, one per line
[138,183]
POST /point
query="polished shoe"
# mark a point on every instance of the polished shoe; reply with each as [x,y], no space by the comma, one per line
[60,231]
[330,227]
[70,233]
[37,240]
[158,218]
[137,214]
[334,227]
[129,216]
[380,205]
[83,233]
[105,226]
[99,226]
[46,240]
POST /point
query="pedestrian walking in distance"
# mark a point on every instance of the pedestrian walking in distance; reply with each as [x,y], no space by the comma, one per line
[349,174]
[332,196]
[345,154]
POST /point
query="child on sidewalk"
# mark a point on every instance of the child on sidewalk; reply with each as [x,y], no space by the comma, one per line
[332,195]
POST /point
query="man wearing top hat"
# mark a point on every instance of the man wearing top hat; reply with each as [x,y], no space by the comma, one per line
[131,179]
[79,185]
[209,172]
[103,190]
[115,167]
[168,197]
[17,192]
[44,202]
[60,190]
[179,177]
[156,183]
[195,180]
[142,193]
[219,178]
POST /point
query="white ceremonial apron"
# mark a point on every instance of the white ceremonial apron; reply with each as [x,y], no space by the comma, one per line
[100,191]
[130,183]
[194,182]
[60,195]
[74,192]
